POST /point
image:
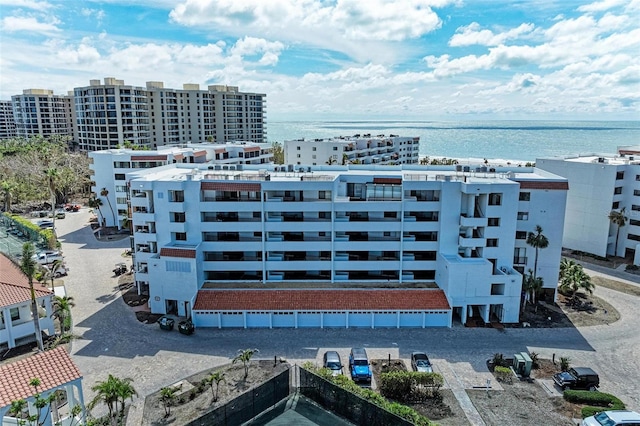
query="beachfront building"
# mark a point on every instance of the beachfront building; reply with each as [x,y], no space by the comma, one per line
[16,322]
[41,112]
[598,185]
[111,114]
[353,150]
[57,374]
[7,122]
[316,246]
[109,169]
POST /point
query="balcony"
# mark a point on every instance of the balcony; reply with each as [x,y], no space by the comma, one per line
[472,222]
[472,242]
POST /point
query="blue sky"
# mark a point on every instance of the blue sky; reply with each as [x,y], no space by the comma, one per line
[343,59]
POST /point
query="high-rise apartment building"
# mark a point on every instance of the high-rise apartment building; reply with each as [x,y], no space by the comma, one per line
[109,114]
[7,122]
[41,112]
[598,185]
[450,242]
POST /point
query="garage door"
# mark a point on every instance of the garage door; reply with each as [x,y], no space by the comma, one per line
[337,319]
[411,319]
[205,319]
[385,319]
[439,319]
[283,319]
[232,319]
[258,319]
[309,319]
[360,319]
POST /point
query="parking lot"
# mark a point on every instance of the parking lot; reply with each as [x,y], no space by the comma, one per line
[114,342]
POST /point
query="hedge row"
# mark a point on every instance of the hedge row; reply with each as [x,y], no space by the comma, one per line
[344,382]
[597,401]
[46,235]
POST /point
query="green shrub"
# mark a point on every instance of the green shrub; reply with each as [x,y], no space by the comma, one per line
[396,385]
[597,401]
[503,374]
[632,268]
[565,362]
[499,361]
[535,360]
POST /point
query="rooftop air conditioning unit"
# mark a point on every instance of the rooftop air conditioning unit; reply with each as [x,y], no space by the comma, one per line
[600,159]
[466,169]
[217,167]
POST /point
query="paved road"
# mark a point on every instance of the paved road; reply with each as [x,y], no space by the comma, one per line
[114,342]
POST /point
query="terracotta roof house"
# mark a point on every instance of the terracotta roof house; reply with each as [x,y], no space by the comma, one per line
[16,324]
[57,373]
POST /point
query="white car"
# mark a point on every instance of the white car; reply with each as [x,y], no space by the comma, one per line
[46,257]
[613,418]
[61,270]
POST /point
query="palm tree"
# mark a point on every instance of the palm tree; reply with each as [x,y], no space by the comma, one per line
[619,219]
[573,278]
[532,286]
[28,266]
[216,378]
[245,356]
[7,188]
[62,310]
[96,203]
[104,192]
[105,393]
[52,271]
[124,391]
[538,241]
[167,396]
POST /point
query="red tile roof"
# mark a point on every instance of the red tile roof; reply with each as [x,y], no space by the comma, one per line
[14,285]
[536,184]
[330,299]
[175,252]
[54,368]
[135,157]
[223,186]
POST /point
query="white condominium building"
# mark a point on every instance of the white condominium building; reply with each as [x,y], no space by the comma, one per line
[7,122]
[342,246]
[353,150]
[109,168]
[110,114]
[598,185]
[40,112]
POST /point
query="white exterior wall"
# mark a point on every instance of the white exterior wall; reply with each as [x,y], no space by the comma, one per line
[384,244]
[11,331]
[376,150]
[589,201]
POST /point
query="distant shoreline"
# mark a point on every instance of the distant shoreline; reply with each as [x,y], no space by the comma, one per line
[490,162]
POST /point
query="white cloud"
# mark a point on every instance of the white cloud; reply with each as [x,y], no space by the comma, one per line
[250,46]
[600,6]
[29,24]
[27,4]
[473,34]
[361,30]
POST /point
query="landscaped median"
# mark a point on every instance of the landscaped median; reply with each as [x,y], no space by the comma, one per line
[595,401]
[393,383]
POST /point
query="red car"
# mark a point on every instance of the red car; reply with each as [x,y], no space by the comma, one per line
[72,207]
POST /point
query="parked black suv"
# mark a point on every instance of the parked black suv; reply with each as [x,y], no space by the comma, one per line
[577,378]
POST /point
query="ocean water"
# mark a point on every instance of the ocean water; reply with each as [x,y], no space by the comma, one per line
[513,140]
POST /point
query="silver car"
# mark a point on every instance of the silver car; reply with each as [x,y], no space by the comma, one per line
[613,418]
[420,362]
[331,360]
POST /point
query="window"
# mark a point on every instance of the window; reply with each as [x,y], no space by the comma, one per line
[313,149]
[617,190]
[615,205]
[322,195]
[523,215]
[636,192]
[495,199]
[521,235]
[297,148]
[619,175]
[634,222]
[179,217]
[335,148]
[119,176]
[633,237]
[635,208]
[493,221]
[519,256]
[390,215]
[180,236]
[176,196]
[15,314]
[492,242]
[525,196]
[637,177]
[497,289]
